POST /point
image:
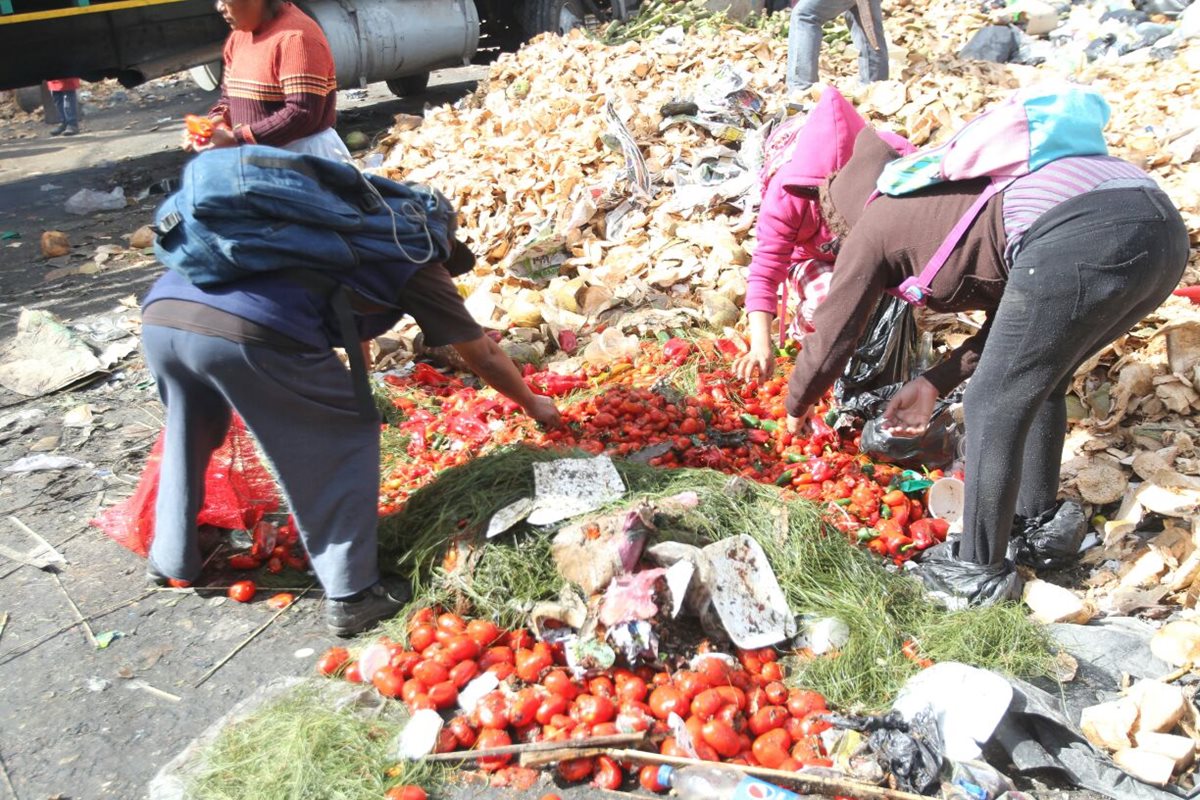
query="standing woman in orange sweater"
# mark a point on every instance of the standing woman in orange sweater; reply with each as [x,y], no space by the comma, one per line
[279,86]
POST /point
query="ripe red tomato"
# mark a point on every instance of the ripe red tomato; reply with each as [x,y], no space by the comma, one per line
[523,707]
[388,681]
[802,702]
[484,632]
[768,718]
[244,561]
[667,700]
[531,663]
[558,682]
[406,792]
[462,731]
[648,778]
[352,673]
[452,623]
[332,660]
[706,704]
[609,774]
[463,673]
[496,655]
[594,710]
[631,688]
[462,648]
[430,672]
[280,601]
[489,738]
[420,637]
[492,711]
[771,749]
[721,737]
[574,770]
[242,591]
[443,695]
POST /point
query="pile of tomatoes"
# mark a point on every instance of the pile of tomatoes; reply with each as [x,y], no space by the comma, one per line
[736,711]
[725,424]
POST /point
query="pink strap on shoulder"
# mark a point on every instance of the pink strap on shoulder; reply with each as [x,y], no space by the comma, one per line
[915,290]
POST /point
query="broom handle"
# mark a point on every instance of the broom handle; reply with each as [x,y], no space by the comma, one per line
[815,784]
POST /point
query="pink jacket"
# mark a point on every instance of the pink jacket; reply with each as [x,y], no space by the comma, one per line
[790,228]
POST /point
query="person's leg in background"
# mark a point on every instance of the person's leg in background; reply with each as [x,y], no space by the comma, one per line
[804,39]
[60,99]
[69,111]
[872,63]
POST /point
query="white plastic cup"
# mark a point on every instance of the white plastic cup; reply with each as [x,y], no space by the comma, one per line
[946,499]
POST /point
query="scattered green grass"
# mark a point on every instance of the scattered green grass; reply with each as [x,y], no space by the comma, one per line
[300,746]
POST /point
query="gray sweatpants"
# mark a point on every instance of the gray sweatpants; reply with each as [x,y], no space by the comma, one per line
[301,408]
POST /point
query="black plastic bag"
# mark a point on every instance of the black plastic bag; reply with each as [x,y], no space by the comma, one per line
[1050,540]
[935,448]
[957,584]
[996,43]
[911,751]
[886,353]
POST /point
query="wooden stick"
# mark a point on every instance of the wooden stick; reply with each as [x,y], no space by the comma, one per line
[49,552]
[1168,678]
[813,784]
[87,629]
[22,650]
[535,760]
[3,622]
[8,781]
[250,638]
[140,684]
[596,742]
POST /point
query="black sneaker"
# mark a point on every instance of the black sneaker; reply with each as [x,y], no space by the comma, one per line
[70,130]
[59,131]
[348,618]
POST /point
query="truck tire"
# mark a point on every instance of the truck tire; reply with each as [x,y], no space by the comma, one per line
[29,99]
[409,85]
[551,16]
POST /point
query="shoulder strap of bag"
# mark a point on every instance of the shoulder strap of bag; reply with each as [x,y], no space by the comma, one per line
[915,290]
[339,301]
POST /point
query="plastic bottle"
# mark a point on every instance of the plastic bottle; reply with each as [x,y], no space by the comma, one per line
[716,783]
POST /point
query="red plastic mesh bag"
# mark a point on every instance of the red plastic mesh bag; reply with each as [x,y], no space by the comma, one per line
[238,492]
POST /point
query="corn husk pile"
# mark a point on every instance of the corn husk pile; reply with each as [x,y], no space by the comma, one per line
[565,177]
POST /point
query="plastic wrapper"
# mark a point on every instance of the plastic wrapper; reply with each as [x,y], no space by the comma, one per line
[1050,540]
[909,751]
[238,492]
[957,584]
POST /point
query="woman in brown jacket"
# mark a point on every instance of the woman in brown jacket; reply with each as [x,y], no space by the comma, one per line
[1064,261]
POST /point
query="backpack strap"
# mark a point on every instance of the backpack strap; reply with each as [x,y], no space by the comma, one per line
[339,301]
[915,290]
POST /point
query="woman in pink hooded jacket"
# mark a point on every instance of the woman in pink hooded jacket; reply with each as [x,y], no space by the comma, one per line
[793,241]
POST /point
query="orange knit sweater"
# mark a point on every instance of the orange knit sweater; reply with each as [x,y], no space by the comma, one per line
[280,84]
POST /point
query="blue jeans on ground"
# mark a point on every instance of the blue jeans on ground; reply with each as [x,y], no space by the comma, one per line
[1087,271]
[302,410]
[67,104]
[805,35]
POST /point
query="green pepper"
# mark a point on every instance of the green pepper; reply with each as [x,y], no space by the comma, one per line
[842,501]
[796,458]
[785,479]
[831,416]
[866,534]
[868,470]
[768,425]
[885,511]
[750,421]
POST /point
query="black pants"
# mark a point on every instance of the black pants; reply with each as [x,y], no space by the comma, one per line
[1087,271]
